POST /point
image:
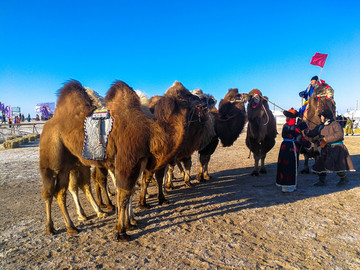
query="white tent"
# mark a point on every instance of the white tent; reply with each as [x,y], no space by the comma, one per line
[279,116]
[354,115]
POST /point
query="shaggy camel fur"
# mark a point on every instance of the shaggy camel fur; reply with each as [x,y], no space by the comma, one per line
[321,99]
[135,139]
[261,131]
[178,112]
[228,122]
[183,160]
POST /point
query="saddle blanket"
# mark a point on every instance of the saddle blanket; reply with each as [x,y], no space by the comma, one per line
[97,128]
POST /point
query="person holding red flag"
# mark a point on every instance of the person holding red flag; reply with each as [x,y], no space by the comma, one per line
[306,94]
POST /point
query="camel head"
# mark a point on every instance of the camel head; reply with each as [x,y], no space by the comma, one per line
[207,100]
[254,98]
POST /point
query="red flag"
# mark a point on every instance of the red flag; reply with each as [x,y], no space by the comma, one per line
[319,59]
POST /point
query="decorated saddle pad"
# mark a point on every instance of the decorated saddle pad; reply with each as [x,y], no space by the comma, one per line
[97,128]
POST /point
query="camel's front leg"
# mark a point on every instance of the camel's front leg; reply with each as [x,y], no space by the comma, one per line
[159,175]
[256,166]
[263,169]
[187,167]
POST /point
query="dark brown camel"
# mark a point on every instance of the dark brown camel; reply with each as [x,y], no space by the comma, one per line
[178,112]
[228,123]
[134,139]
[321,99]
[261,130]
[205,134]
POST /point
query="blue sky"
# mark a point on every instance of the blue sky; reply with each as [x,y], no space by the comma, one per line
[212,45]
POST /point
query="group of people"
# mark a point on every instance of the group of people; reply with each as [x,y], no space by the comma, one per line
[17,119]
[334,156]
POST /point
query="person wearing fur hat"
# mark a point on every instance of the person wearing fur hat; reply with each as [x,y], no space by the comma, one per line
[306,94]
[288,161]
[334,155]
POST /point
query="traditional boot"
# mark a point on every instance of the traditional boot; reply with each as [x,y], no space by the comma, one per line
[343,181]
[321,181]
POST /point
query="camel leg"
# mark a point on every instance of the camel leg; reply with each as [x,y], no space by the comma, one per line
[187,167]
[203,171]
[159,175]
[98,182]
[48,191]
[145,180]
[169,177]
[61,199]
[262,168]
[73,188]
[255,172]
[122,202]
[85,177]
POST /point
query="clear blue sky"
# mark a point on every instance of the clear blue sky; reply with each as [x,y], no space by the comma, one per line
[212,45]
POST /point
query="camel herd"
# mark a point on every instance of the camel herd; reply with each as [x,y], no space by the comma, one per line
[148,138]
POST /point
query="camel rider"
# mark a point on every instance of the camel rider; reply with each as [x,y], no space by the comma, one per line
[306,94]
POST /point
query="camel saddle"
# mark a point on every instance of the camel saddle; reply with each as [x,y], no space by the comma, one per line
[97,128]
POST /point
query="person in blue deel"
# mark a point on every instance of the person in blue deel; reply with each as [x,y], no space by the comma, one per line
[306,94]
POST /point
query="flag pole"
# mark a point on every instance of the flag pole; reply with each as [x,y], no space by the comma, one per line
[320,73]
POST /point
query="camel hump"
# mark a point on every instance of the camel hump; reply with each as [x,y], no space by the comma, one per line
[73,99]
[177,89]
[121,95]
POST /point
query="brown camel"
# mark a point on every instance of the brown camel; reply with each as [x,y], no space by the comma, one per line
[228,122]
[321,99]
[180,113]
[205,134]
[177,113]
[134,140]
[261,130]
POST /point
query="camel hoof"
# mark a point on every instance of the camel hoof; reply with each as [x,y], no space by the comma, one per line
[50,231]
[82,217]
[110,207]
[255,173]
[188,183]
[144,206]
[263,170]
[101,205]
[163,202]
[101,214]
[72,231]
[122,237]
[131,227]
[169,186]
[207,177]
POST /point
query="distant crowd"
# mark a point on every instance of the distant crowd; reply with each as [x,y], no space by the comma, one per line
[21,118]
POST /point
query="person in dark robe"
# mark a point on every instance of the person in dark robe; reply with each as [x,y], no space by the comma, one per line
[334,155]
[288,161]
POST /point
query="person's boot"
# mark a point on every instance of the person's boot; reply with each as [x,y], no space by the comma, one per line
[343,181]
[321,181]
